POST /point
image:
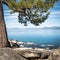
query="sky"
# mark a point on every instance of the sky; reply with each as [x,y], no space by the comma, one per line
[11,20]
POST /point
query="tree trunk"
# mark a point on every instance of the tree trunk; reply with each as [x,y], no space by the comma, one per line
[3,34]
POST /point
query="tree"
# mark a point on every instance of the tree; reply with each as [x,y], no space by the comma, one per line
[33,11]
[3,34]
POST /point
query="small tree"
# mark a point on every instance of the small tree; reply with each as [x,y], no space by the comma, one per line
[33,11]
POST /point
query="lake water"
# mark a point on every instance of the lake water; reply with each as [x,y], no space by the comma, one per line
[41,37]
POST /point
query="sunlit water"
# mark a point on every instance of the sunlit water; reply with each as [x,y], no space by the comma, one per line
[41,37]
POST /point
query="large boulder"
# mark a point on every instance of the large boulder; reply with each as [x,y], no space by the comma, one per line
[29,54]
[39,54]
[9,54]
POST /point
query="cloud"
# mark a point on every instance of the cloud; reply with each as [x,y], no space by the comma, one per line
[7,11]
[8,15]
[11,17]
[55,12]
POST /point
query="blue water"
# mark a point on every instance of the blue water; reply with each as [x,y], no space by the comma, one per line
[38,36]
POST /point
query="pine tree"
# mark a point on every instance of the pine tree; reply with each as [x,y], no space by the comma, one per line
[34,11]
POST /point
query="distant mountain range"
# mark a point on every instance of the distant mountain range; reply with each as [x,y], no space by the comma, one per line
[55,27]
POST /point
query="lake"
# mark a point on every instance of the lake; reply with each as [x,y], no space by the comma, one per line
[41,37]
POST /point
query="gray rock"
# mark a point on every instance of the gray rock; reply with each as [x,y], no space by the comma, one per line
[40,54]
[14,44]
[29,54]
[9,54]
[45,55]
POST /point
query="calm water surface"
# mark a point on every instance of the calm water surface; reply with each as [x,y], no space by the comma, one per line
[39,36]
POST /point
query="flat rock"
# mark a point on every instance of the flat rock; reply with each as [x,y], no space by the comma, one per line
[29,54]
[9,54]
[39,54]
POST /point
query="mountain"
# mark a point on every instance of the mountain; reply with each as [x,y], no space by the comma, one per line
[54,27]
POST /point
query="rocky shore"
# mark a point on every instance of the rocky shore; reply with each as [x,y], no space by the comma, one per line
[16,44]
[18,53]
[29,54]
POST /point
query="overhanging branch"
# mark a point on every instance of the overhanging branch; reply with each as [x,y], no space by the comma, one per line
[5,2]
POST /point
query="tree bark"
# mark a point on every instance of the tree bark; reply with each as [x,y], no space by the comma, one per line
[3,33]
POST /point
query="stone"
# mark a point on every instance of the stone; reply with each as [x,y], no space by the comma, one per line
[13,44]
[45,55]
[39,54]
[9,54]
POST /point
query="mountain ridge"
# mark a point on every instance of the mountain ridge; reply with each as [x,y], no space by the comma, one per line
[53,27]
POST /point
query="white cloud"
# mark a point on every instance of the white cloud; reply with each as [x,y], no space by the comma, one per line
[6,11]
[14,15]
[55,12]
[19,25]
[10,17]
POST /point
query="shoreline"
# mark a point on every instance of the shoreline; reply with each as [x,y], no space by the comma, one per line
[20,44]
[38,53]
[29,54]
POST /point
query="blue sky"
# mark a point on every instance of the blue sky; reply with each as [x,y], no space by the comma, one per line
[11,20]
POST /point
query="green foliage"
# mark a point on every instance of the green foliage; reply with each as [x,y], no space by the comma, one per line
[35,11]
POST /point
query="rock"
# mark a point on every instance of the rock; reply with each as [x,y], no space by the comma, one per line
[20,43]
[55,54]
[59,48]
[28,54]
[45,55]
[9,54]
[39,54]
[13,44]
[30,43]
[21,46]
